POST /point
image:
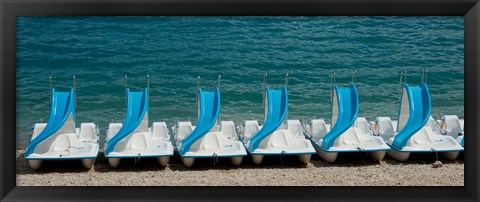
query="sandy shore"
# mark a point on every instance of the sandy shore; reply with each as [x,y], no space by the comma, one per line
[350,169]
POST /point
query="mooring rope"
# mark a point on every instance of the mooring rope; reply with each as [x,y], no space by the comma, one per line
[215,158]
[281,157]
[137,161]
[436,154]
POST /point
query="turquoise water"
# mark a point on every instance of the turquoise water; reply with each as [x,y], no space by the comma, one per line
[174,51]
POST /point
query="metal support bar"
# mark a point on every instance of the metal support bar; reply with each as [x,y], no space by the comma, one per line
[148,83]
[286,79]
[126,86]
[219,113]
[286,84]
[264,85]
[354,76]
[425,76]
[198,87]
[333,81]
[51,86]
[400,86]
[402,75]
[75,91]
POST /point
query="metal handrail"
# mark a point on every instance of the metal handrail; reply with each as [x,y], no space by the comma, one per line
[219,80]
[305,132]
[51,86]
[354,76]
[264,85]
[286,79]
[148,83]
[333,81]
[196,92]
[220,112]
[286,84]
[425,76]
[402,75]
[74,92]
[126,86]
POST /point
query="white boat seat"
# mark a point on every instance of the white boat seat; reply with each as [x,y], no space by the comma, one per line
[61,143]
[395,125]
[453,124]
[211,141]
[138,141]
[363,124]
[385,125]
[350,137]
[113,129]
[432,123]
[159,131]
[87,132]
[228,129]
[422,136]
[318,128]
[279,139]
[38,128]
[295,127]
[251,128]
[184,129]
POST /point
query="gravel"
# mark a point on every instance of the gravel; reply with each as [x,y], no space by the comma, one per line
[351,169]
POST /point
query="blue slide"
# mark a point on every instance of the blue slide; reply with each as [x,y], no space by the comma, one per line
[347,102]
[208,115]
[277,101]
[63,103]
[136,110]
[461,143]
[419,106]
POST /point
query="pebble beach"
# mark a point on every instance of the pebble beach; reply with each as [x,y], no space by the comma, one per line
[354,169]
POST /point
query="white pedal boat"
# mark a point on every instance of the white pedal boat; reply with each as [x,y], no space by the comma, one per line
[276,136]
[133,138]
[348,134]
[208,139]
[58,139]
[412,134]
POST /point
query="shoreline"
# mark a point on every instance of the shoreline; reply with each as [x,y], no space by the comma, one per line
[354,169]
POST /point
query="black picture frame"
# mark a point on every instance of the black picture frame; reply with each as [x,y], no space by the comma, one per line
[10,9]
